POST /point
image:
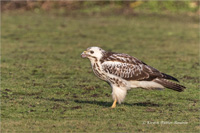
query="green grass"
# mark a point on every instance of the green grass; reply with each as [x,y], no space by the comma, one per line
[46,86]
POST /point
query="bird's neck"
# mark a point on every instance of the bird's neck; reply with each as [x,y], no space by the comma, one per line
[94,60]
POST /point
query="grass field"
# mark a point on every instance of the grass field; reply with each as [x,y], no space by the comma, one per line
[46,86]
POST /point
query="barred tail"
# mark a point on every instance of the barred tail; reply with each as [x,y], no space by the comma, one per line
[170,85]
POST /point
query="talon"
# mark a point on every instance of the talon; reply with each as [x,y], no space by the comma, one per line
[114,104]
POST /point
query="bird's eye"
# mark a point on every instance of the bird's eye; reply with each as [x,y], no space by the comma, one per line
[91,52]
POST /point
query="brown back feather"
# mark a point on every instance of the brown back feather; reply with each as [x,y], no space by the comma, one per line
[140,70]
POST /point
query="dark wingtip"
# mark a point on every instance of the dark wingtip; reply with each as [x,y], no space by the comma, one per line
[175,79]
[166,76]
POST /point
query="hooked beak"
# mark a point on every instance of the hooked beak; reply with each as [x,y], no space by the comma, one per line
[84,54]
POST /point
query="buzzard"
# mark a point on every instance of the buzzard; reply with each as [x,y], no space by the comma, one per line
[123,72]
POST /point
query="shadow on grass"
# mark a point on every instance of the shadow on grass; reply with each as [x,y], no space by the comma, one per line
[105,104]
[108,104]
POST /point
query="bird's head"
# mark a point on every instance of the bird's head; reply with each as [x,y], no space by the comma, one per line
[93,53]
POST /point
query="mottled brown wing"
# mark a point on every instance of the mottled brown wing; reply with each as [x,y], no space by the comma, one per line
[129,68]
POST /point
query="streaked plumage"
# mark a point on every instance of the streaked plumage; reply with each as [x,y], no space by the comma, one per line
[123,72]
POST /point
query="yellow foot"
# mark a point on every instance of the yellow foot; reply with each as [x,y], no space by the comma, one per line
[114,104]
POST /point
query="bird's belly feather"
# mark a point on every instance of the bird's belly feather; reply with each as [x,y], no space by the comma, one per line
[145,84]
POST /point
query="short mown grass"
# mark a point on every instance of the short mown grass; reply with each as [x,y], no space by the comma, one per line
[46,86]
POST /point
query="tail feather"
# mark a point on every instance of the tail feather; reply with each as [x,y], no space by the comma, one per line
[166,76]
[170,85]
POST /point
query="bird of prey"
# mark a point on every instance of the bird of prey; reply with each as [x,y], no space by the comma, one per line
[123,72]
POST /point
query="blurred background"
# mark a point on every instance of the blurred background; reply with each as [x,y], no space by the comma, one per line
[106,6]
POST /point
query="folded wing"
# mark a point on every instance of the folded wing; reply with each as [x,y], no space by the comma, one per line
[130,68]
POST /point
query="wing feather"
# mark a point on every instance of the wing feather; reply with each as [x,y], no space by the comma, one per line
[129,68]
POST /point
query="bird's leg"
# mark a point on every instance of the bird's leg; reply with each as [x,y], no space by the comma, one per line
[114,104]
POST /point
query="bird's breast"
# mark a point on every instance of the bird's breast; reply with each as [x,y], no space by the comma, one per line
[98,71]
